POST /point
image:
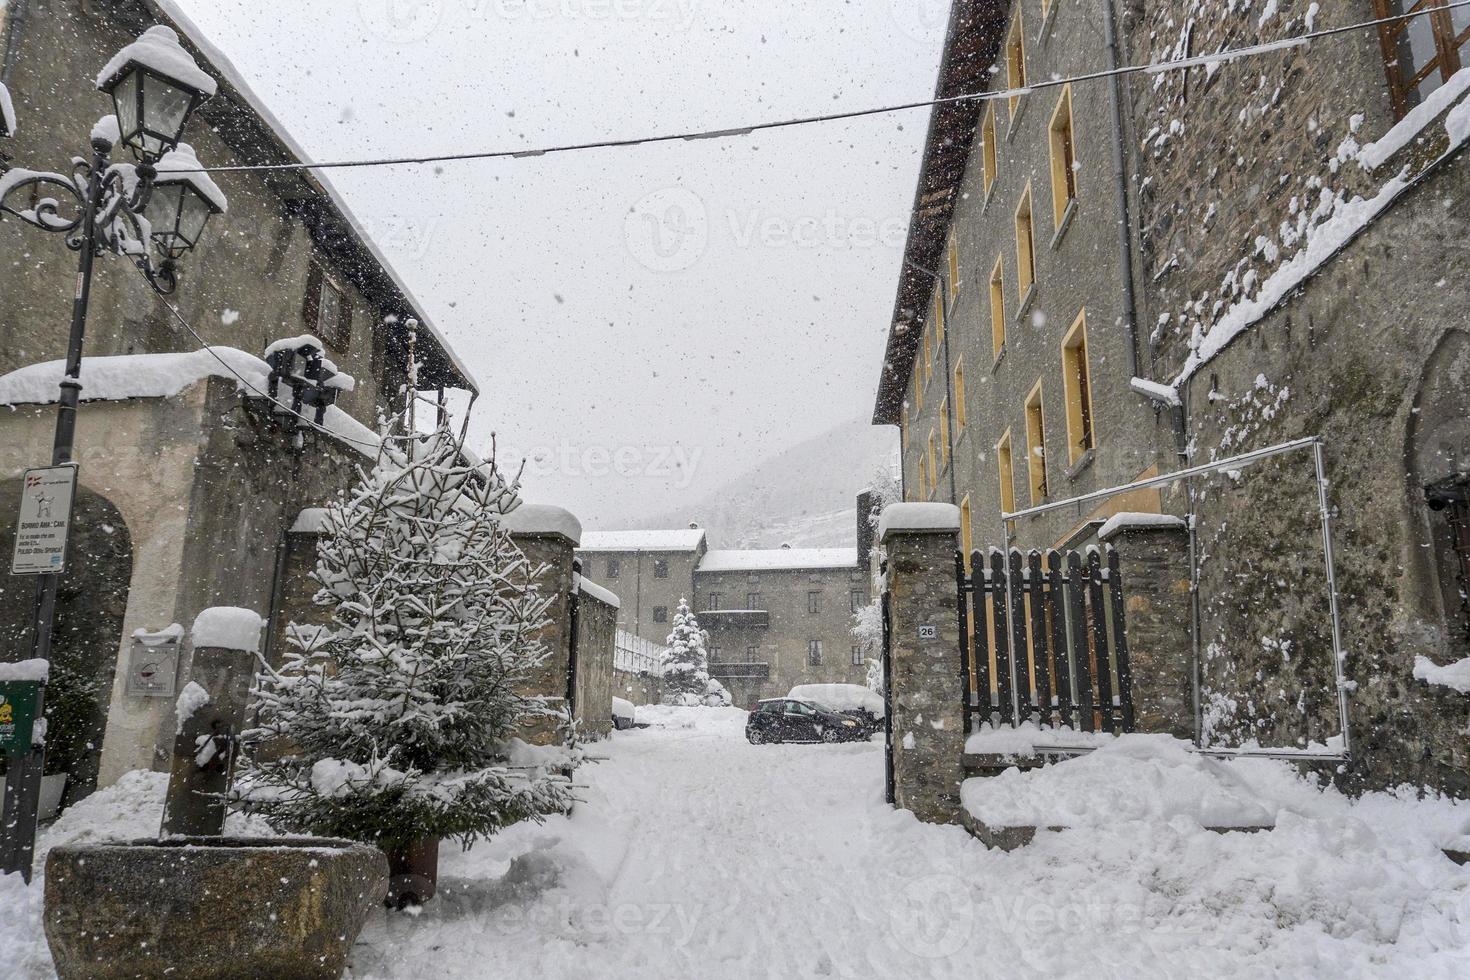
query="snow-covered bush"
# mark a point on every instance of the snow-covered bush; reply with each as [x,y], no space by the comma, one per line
[867,630]
[717,695]
[686,664]
[398,721]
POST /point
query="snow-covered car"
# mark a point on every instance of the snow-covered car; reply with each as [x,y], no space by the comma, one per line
[800,720]
[853,700]
[622,714]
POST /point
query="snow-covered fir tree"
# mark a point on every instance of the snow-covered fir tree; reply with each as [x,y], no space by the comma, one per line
[686,664]
[399,720]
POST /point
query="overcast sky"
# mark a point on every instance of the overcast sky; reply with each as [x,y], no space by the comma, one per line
[645,323]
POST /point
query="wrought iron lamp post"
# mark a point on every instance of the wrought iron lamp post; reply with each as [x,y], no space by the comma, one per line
[162,201]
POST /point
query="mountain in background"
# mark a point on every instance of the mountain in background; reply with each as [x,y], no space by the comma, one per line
[805,497]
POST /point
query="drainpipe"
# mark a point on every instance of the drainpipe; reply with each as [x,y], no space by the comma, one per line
[14,21]
[1120,179]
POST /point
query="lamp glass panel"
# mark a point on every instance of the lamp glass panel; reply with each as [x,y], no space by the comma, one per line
[165,109]
[192,217]
[125,101]
[163,213]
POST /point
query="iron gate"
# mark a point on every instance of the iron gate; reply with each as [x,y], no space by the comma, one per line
[1043,639]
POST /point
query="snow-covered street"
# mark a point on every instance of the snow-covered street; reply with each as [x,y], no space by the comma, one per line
[697,854]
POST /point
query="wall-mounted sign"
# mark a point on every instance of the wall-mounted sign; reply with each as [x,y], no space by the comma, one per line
[17,716]
[928,632]
[45,520]
[153,665]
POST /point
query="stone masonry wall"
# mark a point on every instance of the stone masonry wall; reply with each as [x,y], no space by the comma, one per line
[597,624]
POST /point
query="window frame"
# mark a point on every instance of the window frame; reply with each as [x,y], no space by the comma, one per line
[944,432]
[660,568]
[998,307]
[1062,149]
[967,530]
[1405,86]
[1025,262]
[660,614]
[1006,468]
[614,567]
[814,602]
[1036,439]
[1077,388]
[953,285]
[814,653]
[961,417]
[1016,60]
[989,155]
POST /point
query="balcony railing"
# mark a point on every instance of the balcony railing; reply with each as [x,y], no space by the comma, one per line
[734,618]
[742,671]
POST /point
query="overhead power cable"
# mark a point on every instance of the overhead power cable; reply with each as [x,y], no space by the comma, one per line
[1154,68]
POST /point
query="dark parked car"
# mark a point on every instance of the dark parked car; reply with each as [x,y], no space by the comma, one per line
[800,720]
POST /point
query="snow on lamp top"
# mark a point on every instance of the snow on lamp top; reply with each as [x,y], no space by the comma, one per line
[158,49]
[7,113]
[181,165]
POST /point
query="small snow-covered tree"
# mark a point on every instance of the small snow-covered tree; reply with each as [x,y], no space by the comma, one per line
[867,630]
[686,664]
[398,721]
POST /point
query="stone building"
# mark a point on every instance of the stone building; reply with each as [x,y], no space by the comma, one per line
[775,617]
[196,487]
[1275,246]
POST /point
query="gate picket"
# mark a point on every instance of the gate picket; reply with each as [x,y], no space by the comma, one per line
[999,577]
[1061,682]
[1081,661]
[1100,639]
[963,610]
[1040,650]
[1120,641]
[1020,653]
[980,591]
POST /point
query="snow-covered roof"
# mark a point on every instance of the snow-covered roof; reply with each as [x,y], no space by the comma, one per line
[121,376]
[1135,521]
[226,68]
[543,519]
[686,539]
[589,587]
[778,559]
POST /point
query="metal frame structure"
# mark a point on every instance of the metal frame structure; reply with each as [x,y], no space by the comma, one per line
[1316,445]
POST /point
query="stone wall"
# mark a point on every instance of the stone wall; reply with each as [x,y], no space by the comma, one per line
[550,554]
[638,688]
[597,625]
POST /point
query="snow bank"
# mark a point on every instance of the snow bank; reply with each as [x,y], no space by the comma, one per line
[588,587]
[1138,778]
[623,708]
[229,627]
[26,670]
[1028,739]
[181,166]
[191,699]
[1455,675]
[123,376]
[918,517]
[7,110]
[677,540]
[777,559]
[158,48]
[841,697]
[1128,520]
[543,519]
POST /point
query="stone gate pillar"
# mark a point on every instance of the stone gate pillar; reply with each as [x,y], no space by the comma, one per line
[549,537]
[1153,557]
[926,694]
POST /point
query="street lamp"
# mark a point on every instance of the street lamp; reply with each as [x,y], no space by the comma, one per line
[155,86]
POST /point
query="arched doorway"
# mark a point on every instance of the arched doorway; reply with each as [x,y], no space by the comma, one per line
[90,604]
[1439,485]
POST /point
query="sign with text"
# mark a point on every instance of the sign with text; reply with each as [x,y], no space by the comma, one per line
[17,716]
[45,520]
[928,632]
